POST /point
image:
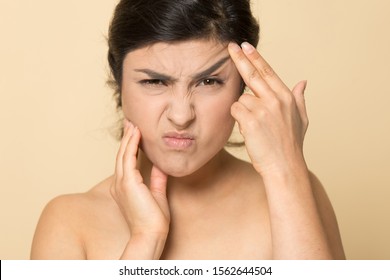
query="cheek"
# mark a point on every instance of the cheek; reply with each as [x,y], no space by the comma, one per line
[141,111]
[216,117]
[219,106]
[220,112]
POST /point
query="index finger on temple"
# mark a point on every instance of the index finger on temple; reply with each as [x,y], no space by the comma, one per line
[248,72]
[265,70]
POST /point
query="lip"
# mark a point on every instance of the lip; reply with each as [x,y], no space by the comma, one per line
[179,141]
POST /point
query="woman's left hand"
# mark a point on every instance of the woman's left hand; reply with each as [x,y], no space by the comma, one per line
[273,121]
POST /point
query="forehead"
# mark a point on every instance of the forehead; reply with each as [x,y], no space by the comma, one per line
[181,58]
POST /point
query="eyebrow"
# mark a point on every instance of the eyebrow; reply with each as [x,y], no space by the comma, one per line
[159,76]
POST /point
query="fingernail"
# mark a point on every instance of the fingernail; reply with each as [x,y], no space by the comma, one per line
[247,48]
[125,123]
[135,129]
[234,47]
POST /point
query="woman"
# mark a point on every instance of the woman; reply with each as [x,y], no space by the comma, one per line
[176,193]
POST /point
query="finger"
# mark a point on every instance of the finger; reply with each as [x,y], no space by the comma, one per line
[242,115]
[249,101]
[265,70]
[158,181]
[158,187]
[299,95]
[128,130]
[130,155]
[249,73]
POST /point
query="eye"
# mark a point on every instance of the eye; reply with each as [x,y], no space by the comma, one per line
[210,82]
[152,82]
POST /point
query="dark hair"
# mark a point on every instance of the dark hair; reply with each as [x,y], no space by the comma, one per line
[138,23]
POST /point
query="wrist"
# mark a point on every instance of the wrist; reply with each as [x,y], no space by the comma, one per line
[289,167]
[149,237]
[290,182]
[143,246]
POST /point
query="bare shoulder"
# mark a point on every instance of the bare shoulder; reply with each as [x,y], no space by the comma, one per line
[328,217]
[63,222]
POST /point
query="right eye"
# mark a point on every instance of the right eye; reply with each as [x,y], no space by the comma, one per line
[152,82]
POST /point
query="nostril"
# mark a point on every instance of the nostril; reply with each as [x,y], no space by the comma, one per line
[181,115]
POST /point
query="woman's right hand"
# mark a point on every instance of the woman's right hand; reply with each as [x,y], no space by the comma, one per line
[145,208]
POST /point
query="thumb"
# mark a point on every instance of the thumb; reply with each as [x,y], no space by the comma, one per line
[299,92]
[158,181]
[300,88]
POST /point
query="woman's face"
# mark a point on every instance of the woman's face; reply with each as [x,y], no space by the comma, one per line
[179,95]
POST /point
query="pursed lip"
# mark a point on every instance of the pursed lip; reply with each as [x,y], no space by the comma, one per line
[178,140]
[178,135]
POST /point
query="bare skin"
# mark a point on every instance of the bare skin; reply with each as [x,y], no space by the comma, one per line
[212,206]
[95,228]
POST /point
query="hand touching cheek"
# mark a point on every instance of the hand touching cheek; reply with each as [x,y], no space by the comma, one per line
[145,208]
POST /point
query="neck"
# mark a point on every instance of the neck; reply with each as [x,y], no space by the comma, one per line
[208,181]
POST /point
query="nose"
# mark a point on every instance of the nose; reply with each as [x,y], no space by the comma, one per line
[181,112]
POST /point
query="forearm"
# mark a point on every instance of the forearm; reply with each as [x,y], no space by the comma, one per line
[144,247]
[297,230]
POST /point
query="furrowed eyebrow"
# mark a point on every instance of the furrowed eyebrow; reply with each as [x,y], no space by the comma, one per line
[211,69]
[159,76]
[155,75]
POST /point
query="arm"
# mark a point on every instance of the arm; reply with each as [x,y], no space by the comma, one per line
[145,209]
[303,223]
[273,122]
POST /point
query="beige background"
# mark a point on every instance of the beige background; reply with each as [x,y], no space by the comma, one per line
[56,112]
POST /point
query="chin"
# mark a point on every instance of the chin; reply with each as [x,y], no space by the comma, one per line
[176,171]
[179,166]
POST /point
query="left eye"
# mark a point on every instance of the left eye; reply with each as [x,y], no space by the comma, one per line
[209,82]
